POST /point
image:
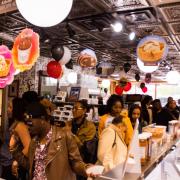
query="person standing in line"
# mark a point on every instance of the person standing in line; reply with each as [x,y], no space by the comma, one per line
[84,132]
[134,114]
[83,129]
[112,149]
[146,106]
[53,152]
[115,109]
[20,136]
[161,116]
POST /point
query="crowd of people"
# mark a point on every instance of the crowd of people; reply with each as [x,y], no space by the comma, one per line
[40,150]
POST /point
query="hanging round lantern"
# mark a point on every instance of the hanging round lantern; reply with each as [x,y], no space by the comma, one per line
[148,78]
[146,69]
[144,89]
[87,58]
[66,57]
[44,13]
[173,77]
[57,52]
[127,87]
[106,83]
[72,77]
[152,49]
[142,85]
[6,67]
[25,50]
[137,77]
[104,69]
[123,82]
[54,69]
[118,90]
[126,67]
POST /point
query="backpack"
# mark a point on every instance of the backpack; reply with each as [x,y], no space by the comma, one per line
[89,150]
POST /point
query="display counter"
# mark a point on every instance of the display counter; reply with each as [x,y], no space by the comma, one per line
[149,171]
[163,151]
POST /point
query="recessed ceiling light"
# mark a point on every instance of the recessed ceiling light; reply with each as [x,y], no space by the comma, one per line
[117,27]
[132,35]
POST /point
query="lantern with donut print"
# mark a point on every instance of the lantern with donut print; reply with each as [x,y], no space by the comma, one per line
[87,58]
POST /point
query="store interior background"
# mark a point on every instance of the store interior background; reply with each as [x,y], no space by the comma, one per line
[88,26]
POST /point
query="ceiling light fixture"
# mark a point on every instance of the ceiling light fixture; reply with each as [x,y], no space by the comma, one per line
[117,27]
[132,35]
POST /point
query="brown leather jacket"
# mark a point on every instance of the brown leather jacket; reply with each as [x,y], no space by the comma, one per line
[63,157]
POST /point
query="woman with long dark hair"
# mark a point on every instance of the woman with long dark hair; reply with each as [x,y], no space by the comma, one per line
[20,137]
[134,114]
[114,108]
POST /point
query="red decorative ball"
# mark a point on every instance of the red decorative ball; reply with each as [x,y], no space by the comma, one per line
[119,90]
[127,87]
[54,69]
[144,90]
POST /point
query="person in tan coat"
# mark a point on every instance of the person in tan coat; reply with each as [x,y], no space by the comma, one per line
[53,152]
[112,149]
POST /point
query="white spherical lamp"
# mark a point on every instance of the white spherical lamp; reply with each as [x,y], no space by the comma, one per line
[173,77]
[146,69]
[44,13]
[106,83]
[72,77]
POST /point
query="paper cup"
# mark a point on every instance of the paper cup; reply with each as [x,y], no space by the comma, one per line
[23,55]
[96,170]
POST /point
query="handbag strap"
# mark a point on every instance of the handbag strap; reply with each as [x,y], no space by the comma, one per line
[114,143]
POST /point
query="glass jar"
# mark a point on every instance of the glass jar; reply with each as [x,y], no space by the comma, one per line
[173,127]
[149,141]
[143,145]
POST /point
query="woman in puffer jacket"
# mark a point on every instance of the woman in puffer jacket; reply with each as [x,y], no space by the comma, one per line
[115,109]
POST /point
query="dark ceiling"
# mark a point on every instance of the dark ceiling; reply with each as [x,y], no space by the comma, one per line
[88,25]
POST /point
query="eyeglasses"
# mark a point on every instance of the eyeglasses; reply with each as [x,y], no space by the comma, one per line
[27,117]
[76,109]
